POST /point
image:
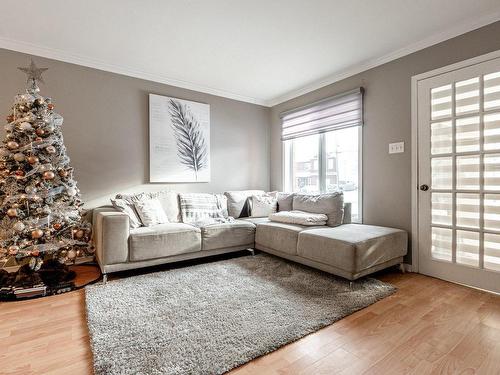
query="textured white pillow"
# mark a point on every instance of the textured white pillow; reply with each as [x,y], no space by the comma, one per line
[299,217]
[151,212]
[263,205]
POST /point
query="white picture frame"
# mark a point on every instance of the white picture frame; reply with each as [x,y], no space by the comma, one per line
[179,140]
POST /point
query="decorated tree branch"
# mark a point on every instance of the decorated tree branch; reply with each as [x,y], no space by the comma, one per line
[40,205]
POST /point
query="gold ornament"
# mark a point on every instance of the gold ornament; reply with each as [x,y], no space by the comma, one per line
[32,159]
[19,157]
[12,145]
[71,254]
[57,226]
[79,234]
[12,212]
[40,132]
[36,233]
[50,149]
[63,173]
[50,106]
[19,226]
[48,175]
[13,249]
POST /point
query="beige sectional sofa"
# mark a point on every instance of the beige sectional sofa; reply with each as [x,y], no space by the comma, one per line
[347,250]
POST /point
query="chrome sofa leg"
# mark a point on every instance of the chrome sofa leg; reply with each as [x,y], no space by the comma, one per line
[252,251]
[402,267]
[351,285]
[104,278]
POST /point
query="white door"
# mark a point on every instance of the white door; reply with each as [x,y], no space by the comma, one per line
[459,175]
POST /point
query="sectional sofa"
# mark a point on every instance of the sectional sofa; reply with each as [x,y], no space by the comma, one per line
[347,250]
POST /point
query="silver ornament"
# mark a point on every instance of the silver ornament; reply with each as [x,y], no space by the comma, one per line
[19,226]
[71,191]
[30,189]
[25,126]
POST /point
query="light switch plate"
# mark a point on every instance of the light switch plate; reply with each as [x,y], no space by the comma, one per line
[396,148]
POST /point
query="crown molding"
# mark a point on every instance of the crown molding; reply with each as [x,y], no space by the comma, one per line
[56,54]
[369,64]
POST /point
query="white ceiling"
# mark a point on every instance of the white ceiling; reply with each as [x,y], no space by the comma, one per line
[258,51]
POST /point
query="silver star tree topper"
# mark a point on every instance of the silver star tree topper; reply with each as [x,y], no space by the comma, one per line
[34,74]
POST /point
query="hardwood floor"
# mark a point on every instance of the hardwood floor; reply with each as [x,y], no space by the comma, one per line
[428,327]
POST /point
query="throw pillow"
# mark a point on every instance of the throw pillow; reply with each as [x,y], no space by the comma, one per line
[299,217]
[238,204]
[330,204]
[151,212]
[222,204]
[129,209]
[169,200]
[197,207]
[263,205]
[285,201]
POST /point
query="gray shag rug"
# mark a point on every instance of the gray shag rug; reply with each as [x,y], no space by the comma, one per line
[210,318]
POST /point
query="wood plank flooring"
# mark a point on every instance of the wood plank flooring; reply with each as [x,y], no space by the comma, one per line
[428,327]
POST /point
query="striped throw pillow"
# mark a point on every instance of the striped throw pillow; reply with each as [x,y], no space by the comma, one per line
[198,206]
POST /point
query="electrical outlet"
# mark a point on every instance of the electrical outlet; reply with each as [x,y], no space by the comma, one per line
[396,148]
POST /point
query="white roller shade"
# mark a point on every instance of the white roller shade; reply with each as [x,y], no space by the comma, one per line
[337,112]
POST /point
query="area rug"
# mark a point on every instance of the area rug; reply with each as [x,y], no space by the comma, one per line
[210,318]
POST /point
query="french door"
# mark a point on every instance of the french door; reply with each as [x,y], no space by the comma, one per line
[458,116]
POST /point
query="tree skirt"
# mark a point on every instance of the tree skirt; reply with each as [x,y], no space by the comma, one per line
[210,318]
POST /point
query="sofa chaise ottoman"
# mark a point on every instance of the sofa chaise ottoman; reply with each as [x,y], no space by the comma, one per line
[348,250]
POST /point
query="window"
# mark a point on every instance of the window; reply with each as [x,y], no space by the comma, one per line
[325,158]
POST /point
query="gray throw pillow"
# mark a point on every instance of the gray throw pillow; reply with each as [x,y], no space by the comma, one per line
[238,204]
[330,204]
[285,201]
[128,208]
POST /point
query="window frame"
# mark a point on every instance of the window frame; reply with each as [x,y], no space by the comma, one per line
[322,163]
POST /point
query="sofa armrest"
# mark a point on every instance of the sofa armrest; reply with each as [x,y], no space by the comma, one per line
[111,232]
[347,213]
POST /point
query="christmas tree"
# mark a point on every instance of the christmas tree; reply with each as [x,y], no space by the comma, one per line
[40,206]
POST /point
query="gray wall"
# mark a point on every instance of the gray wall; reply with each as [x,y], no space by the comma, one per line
[106,129]
[386,178]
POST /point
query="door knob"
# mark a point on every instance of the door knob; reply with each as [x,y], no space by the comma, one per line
[424,187]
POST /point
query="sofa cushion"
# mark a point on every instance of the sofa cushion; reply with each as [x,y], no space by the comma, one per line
[169,200]
[237,202]
[263,205]
[129,209]
[352,247]
[330,204]
[299,217]
[285,201]
[231,234]
[278,236]
[151,212]
[163,240]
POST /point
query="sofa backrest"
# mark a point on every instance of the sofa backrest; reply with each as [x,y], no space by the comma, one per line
[330,204]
